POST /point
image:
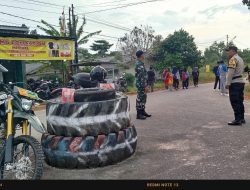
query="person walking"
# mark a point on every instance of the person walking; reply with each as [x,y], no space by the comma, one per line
[141,79]
[187,80]
[184,79]
[195,75]
[236,85]
[165,78]
[217,76]
[151,78]
[222,70]
[176,78]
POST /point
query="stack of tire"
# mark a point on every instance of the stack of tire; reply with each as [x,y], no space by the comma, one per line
[95,130]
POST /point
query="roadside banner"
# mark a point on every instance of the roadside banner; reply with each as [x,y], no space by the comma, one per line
[207,68]
[12,48]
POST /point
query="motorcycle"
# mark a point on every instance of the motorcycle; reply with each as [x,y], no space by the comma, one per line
[121,84]
[21,156]
[47,90]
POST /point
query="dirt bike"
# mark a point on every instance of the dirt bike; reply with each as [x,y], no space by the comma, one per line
[21,156]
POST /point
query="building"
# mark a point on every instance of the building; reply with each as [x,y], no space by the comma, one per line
[16,69]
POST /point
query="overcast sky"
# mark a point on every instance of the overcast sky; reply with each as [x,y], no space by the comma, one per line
[206,20]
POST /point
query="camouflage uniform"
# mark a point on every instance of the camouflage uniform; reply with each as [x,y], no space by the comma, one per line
[141,78]
[236,86]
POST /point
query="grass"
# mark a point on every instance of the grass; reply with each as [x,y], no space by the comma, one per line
[159,85]
[247,91]
[206,77]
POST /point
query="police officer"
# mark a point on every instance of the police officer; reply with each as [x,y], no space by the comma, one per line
[141,83]
[235,84]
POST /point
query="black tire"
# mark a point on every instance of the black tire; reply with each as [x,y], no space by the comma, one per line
[94,95]
[42,95]
[38,154]
[88,118]
[89,152]
[56,93]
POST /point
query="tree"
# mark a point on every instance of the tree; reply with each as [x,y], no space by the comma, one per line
[101,46]
[247,3]
[50,30]
[245,55]
[216,52]
[84,54]
[33,32]
[139,38]
[178,49]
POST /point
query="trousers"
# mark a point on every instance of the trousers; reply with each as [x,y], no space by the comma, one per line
[236,96]
[141,98]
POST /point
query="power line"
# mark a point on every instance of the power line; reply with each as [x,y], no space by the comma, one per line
[118,7]
[52,4]
[102,3]
[209,42]
[32,3]
[9,22]
[24,18]
[121,28]
[103,35]
[106,22]
[36,10]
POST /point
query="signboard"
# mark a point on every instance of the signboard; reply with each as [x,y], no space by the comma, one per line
[12,48]
[207,68]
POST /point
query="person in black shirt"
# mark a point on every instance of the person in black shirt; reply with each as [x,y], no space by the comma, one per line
[151,78]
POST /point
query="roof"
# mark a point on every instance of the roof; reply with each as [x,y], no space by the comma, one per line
[14,29]
[33,67]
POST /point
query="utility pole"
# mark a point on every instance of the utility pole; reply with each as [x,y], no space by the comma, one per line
[70,34]
[75,36]
[227,40]
[230,40]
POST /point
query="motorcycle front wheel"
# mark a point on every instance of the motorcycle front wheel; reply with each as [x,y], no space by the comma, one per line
[27,162]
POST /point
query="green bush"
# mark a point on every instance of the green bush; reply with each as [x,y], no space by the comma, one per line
[86,69]
[130,78]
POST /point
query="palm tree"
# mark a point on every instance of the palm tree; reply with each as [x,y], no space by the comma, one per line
[50,30]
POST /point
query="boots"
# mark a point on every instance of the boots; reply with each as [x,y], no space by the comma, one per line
[140,115]
[145,113]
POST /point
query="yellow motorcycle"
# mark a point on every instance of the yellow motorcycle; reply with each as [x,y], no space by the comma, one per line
[21,154]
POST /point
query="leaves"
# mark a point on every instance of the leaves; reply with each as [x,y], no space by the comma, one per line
[139,38]
[178,49]
[101,46]
[84,39]
[50,30]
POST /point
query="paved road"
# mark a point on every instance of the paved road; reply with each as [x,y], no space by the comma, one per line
[187,138]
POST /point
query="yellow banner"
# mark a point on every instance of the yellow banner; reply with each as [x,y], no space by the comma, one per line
[12,48]
[207,68]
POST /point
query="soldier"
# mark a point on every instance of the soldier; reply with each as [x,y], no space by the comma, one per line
[235,84]
[141,78]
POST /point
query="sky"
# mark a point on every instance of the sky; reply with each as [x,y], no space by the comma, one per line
[207,21]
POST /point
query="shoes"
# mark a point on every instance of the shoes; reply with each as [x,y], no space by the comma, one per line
[140,115]
[243,121]
[145,114]
[235,123]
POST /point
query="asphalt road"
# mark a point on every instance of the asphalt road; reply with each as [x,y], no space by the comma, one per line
[186,138]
